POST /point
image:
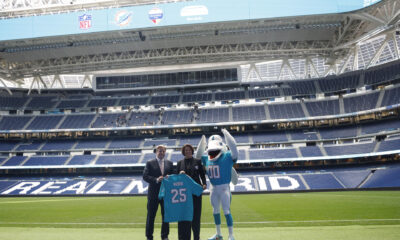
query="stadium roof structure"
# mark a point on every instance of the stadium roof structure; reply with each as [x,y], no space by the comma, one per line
[264,49]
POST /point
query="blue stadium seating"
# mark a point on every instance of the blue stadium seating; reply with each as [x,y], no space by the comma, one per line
[58,145]
[162,100]
[268,137]
[337,83]
[134,101]
[2,160]
[351,179]
[299,88]
[229,95]
[213,115]
[391,97]
[286,111]
[376,127]
[107,120]
[360,102]
[382,73]
[125,143]
[15,161]
[310,151]
[118,159]
[349,149]
[12,102]
[149,156]
[7,146]
[77,121]
[42,102]
[389,145]
[177,117]
[384,178]
[92,144]
[309,135]
[197,97]
[338,132]
[81,159]
[323,107]
[103,102]
[248,113]
[255,154]
[192,140]
[166,142]
[264,93]
[322,181]
[143,118]
[46,161]
[14,122]
[29,146]
[44,122]
[175,156]
[70,104]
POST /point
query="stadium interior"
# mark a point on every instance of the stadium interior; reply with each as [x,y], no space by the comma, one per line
[313,101]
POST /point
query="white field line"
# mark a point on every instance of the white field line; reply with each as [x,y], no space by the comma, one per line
[209,223]
[52,200]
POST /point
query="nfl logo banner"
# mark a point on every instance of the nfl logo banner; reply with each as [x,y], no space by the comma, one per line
[85,21]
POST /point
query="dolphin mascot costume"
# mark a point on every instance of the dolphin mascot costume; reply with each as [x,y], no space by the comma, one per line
[218,159]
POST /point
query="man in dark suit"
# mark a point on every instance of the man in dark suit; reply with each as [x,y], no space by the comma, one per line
[154,172]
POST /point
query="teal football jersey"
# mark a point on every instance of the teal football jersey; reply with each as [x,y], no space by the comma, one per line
[177,191]
[219,171]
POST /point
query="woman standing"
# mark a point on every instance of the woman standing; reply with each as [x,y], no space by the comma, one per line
[194,169]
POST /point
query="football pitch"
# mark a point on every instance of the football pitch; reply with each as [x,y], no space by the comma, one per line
[352,215]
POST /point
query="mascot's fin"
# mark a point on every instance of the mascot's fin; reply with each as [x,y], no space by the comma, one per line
[234,176]
[231,142]
[201,147]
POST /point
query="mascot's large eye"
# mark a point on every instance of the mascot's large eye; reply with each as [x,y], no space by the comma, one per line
[214,153]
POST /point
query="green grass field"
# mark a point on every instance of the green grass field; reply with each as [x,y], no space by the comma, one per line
[319,215]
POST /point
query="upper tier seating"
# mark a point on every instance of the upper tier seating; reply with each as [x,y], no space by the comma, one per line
[338,132]
[337,83]
[162,100]
[77,121]
[391,97]
[110,120]
[263,93]
[70,104]
[232,95]
[143,118]
[323,107]
[310,151]
[383,73]
[248,113]
[177,117]
[299,88]
[360,102]
[14,122]
[118,159]
[42,102]
[197,97]
[12,102]
[104,102]
[350,149]
[44,122]
[285,111]
[136,101]
[213,115]
[46,161]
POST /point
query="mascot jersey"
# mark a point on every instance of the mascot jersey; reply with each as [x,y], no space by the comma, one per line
[219,170]
[177,192]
